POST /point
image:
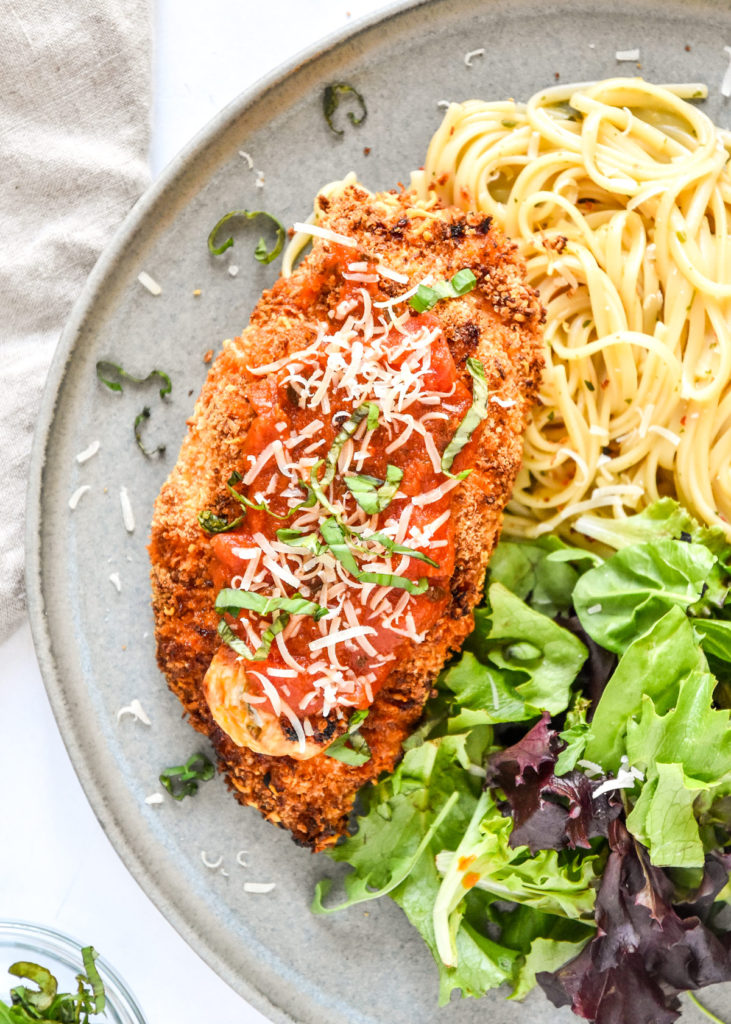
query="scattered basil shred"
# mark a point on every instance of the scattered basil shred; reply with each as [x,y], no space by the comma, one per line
[182,780]
[427,296]
[141,418]
[103,368]
[261,252]
[212,523]
[476,413]
[331,100]
[365,410]
[230,601]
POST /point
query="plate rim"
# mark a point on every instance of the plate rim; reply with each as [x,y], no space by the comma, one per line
[70,336]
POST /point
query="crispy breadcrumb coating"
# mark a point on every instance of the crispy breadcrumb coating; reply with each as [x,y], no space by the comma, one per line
[499,323]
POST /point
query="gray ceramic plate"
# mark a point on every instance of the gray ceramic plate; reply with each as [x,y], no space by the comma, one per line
[95,645]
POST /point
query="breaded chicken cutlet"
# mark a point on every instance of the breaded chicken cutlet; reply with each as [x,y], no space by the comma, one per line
[320,545]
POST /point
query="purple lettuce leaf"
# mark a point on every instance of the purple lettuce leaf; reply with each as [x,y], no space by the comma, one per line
[550,812]
[644,953]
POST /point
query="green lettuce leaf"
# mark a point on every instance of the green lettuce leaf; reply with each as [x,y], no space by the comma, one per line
[575,735]
[541,659]
[621,599]
[663,818]
[664,519]
[544,955]
[660,694]
[485,695]
[540,571]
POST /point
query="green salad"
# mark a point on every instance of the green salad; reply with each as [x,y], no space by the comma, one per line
[562,816]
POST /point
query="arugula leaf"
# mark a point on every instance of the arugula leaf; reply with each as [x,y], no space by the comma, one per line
[474,416]
[261,253]
[622,598]
[182,779]
[426,297]
[89,955]
[41,999]
[331,100]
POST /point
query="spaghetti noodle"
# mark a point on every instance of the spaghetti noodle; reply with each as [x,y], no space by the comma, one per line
[619,196]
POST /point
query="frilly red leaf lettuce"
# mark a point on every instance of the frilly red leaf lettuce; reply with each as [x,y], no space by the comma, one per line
[550,812]
[645,953]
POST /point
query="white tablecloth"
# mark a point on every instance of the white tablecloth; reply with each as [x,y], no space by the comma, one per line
[56,865]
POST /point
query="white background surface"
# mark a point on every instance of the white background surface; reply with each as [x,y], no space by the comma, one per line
[56,865]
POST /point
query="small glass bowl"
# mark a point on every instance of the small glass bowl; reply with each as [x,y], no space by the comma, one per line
[61,954]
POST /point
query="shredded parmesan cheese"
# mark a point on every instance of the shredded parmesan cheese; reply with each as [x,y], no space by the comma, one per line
[327,234]
[128,516]
[135,709]
[89,452]
[149,283]
[259,887]
[78,495]
[468,57]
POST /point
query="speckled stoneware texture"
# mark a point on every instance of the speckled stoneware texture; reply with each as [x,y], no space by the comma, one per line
[95,644]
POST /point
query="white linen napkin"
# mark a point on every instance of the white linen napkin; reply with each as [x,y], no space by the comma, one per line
[75,84]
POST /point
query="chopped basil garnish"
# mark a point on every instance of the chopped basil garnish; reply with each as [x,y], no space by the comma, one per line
[351,748]
[346,432]
[476,413]
[317,487]
[427,296]
[103,369]
[300,539]
[182,780]
[374,495]
[232,601]
[46,1003]
[212,523]
[89,955]
[267,638]
[335,534]
[331,99]
[398,549]
[261,253]
[141,418]
[387,579]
